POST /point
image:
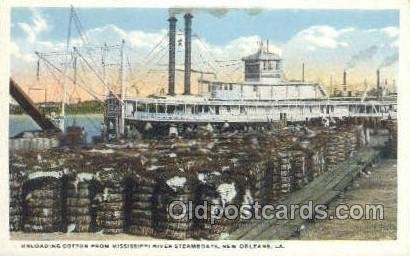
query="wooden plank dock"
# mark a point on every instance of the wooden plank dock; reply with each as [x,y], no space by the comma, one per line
[322,190]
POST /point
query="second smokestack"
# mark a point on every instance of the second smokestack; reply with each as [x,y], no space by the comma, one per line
[187,75]
[171,63]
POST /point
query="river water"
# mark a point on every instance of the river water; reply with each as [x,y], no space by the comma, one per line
[90,122]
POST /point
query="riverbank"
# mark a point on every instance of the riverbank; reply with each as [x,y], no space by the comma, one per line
[83,108]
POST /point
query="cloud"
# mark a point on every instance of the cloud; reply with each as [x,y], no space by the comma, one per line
[22,49]
[390,35]
[363,51]
[321,37]
[145,39]
[38,24]
[392,32]
[112,34]
[364,55]
[395,44]
[109,33]
[389,60]
[16,53]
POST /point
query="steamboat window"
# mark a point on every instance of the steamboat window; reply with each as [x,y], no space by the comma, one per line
[362,109]
[217,110]
[170,109]
[230,87]
[270,65]
[251,70]
[180,108]
[141,107]
[241,109]
[152,108]
[134,107]
[377,108]
[110,106]
[161,108]
[368,109]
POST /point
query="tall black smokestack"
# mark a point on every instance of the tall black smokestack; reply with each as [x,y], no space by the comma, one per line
[187,78]
[344,77]
[378,83]
[171,63]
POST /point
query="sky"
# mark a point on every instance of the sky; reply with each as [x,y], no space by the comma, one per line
[327,41]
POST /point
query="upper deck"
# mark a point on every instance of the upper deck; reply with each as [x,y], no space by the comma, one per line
[263,81]
[204,110]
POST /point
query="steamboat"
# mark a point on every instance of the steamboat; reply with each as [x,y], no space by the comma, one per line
[262,99]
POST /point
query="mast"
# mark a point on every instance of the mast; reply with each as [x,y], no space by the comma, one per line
[121,121]
[104,74]
[63,103]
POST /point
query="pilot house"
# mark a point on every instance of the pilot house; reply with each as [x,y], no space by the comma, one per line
[264,81]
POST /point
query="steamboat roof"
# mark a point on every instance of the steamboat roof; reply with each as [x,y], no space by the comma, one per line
[262,54]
